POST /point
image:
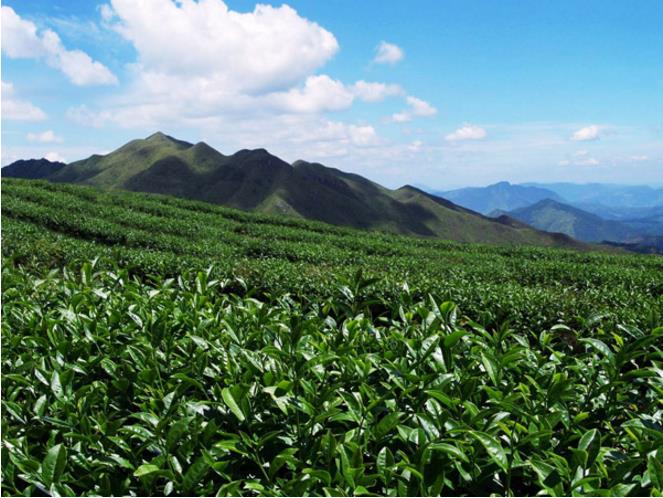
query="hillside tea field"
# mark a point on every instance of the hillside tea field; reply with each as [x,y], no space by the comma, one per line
[160,346]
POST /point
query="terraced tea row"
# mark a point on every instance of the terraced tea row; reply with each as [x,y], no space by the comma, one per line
[160,346]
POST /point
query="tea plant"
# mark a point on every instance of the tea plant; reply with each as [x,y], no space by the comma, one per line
[157,346]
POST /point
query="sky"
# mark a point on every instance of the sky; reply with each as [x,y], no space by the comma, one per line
[441,94]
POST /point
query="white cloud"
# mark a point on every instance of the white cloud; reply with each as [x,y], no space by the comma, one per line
[580,158]
[363,136]
[16,109]
[271,48]
[55,156]
[106,12]
[47,136]
[375,92]
[191,101]
[200,64]
[200,61]
[308,136]
[401,117]
[420,107]
[320,93]
[19,37]
[20,40]
[388,53]
[586,134]
[417,108]
[639,158]
[466,132]
[255,79]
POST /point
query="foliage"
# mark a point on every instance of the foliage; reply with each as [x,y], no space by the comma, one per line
[315,360]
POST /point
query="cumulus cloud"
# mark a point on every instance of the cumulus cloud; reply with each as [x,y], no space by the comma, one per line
[254,78]
[320,93]
[363,136]
[201,64]
[416,108]
[420,107]
[388,53]
[55,157]
[317,134]
[16,109]
[401,117]
[466,132]
[200,60]
[587,134]
[20,40]
[303,135]
[46,137]
[270,48]
[375,92]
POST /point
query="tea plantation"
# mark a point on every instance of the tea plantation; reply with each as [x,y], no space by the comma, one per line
[160,346]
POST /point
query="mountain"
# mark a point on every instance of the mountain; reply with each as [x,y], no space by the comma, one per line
[646,220]
[32,169]
[620,213]
[259,181]
[502,195]
[554,216]
[649,224]
[625,196]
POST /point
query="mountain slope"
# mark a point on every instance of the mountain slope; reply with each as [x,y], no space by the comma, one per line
[32,169]
[609,212]
[553,216]
[629,196]
[259,181]
[502,195]
[646,220]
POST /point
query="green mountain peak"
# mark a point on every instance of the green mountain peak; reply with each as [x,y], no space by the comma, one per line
[255,179]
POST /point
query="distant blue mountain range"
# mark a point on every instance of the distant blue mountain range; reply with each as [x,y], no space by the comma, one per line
[592,212]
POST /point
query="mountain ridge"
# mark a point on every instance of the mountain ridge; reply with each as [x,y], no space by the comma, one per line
[501,195]
[256,180]
[551,215]
[625,196]
[32,169]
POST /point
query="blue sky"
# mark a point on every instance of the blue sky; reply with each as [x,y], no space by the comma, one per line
[438,93]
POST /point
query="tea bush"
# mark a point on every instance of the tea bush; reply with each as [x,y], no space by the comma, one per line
[159,346]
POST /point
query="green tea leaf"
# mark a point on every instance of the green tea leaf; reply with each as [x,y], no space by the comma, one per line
[229,400]
[655,471]
[54,464]
[56,386]
[590,443]
[146,469]
[195,473]
[450,450]
[493,448]
[598,345]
